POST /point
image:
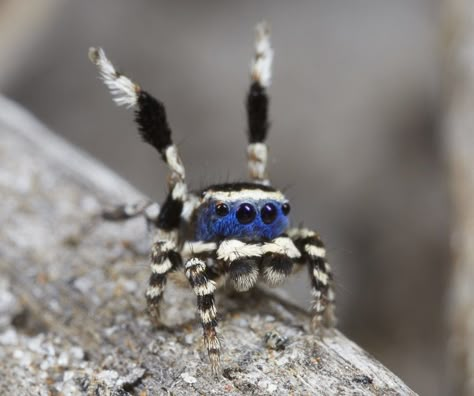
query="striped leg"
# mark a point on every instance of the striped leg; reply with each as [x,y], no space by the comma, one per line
[278,258]
[313,252]
[163,260]
[203,287]
[257,105]
[150,116]
[242,262]
[150,210]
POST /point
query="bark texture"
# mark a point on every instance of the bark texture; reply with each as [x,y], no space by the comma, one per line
[72,317]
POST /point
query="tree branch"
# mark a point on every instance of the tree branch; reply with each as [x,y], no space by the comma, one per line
[72,318]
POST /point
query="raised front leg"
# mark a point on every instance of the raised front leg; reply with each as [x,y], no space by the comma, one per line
[313,253]
[203,287]
[257,105]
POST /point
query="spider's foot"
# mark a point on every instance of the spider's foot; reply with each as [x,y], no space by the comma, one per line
[320,326]
[154,315]
[213,346]
[215,364]
[330,319]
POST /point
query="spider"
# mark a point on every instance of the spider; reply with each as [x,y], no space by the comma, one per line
[239,231]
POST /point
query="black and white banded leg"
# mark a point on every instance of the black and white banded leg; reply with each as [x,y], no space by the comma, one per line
[313,253]
[204,288]
[150,210]
[164,259]
[278,258]
[165,256]
[150,115]
[241,261]
[257,105]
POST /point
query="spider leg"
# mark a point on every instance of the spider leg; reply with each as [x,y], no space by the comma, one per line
[278,257]
[204,288]
[150,116]
[123,212]
[241,261]
[313,253]
[165,256]
[164,259]
[257,105]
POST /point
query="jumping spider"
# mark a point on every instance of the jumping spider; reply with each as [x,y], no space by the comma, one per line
[241,230]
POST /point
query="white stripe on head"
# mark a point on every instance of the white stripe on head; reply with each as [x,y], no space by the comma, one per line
[245,194]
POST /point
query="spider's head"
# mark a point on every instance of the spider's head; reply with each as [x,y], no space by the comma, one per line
[243,211]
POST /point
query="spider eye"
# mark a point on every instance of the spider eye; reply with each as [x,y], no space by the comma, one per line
[269,213]
[246,213]
[285,208]
[222,209]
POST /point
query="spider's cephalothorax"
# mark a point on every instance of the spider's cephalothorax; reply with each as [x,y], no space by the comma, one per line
[245,211]
[236,230]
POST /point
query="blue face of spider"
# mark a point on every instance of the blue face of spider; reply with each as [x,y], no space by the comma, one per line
[243,211]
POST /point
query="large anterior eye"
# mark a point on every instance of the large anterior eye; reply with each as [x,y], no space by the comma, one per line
[222,209]
[246,213]
[269,213]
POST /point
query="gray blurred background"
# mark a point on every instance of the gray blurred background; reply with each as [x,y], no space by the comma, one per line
[355,136]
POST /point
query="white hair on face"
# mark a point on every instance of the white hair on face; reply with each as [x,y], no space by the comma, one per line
[261,67]
[124,90]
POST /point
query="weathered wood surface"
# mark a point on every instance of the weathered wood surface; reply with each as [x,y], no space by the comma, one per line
[72,318]
[459,136]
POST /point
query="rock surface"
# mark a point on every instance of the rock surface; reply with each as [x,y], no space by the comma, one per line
[72,307]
